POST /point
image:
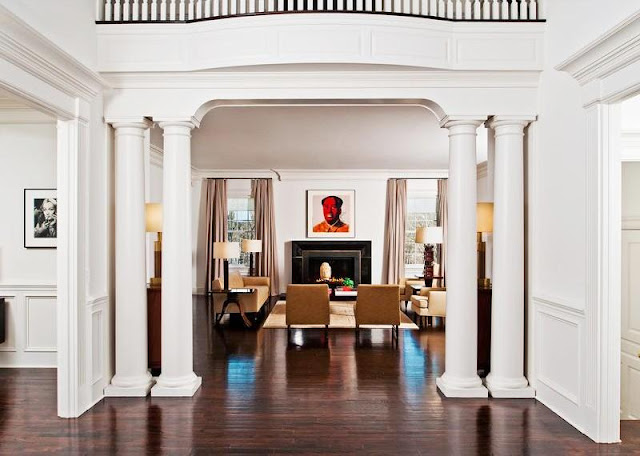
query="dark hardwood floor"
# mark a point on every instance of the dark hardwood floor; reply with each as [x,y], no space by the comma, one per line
[260,395]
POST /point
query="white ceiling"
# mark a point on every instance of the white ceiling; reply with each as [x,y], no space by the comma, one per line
[320,137]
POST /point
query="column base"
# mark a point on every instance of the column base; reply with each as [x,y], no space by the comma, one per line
[124,388]
[509,388]
[451,390]
[186,389]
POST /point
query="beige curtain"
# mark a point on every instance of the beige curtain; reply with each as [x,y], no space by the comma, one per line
[267,264]
[394,231]
[216,219]
[441,220]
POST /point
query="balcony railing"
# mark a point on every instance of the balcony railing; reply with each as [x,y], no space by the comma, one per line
[158,11]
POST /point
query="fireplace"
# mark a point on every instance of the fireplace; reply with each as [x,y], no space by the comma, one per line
[347,259]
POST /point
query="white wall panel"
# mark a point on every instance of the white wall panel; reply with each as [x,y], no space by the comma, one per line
[40,316]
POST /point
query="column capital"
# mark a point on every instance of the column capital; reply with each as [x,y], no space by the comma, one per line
[520,122]
[468,121]
[138,122]
[184,122]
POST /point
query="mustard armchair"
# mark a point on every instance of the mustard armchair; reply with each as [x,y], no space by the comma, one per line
[378,305]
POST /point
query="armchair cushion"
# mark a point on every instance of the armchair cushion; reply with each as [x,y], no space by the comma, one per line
[308,305]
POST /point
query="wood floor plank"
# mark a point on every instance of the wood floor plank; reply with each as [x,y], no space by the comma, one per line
[261,395]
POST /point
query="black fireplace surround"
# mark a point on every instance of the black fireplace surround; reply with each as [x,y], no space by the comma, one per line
[347,259]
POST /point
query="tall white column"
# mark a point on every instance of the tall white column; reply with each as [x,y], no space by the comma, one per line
[177,377]
[460,378]
[132,377]
[506,378]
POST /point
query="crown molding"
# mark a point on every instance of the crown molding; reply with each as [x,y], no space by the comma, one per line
[482,169]
[315,174]
[613,51]
[156,155]
[297,79]
[23,115]
[29,50]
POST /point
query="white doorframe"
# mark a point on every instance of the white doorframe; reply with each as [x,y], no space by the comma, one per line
[63,88]
[609,72]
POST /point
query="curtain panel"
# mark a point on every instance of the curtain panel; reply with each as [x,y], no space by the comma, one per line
[441,218]
[267,264]
[216,219]
[394,231]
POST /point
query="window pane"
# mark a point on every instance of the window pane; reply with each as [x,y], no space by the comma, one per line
[240,225]
[421,211]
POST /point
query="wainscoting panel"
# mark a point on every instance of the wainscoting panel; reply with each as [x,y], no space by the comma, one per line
[559,330]
[31,326]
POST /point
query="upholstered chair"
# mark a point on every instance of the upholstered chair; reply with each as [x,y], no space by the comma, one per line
[307,305]
[378,305]
[432,302]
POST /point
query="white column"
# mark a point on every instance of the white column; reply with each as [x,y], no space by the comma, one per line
[177,377]
[488,237]
[132,377]
[460,378]
[506,378]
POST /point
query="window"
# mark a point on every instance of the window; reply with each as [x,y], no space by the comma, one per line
[421,211]
[241,224]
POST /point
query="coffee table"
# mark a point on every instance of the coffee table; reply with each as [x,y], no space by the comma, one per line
[233,297]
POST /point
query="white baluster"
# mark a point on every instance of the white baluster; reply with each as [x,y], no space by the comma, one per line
[192,9]
[459,9]
[533,10]
[504,11]
[320,6]
[495,10]
[172,10]
[360,5]
[99,10]
[450,9]
[368,5]
[468,9]
[415,7]
[163,10]
[116,10]
[524,11]
[397,6]
[126,11]
[486,9]
[433,8]
[154,10]
[281,5]
[424,7]
[182,10]
[199,9]
[441,8]
[135,10]
[406,6]
[108,10]
[513,14]
[251,6]
[207,8]
[477,10]
[145,10]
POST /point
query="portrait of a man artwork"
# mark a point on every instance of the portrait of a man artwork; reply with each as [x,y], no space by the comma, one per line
[330,213]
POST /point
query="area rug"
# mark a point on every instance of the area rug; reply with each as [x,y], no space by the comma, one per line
[341,317]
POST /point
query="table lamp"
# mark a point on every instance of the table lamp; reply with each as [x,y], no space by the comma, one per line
[225,251]
[429,236]
[251,246]
[153,221]
[484,224]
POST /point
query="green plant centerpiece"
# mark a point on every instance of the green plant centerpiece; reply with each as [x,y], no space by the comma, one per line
[348,283]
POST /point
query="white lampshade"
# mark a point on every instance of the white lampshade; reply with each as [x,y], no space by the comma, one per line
[251,245]
[153,217]
[429,235]
[484,217]
[226,250]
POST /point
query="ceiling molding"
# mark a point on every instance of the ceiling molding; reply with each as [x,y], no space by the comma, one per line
[20,114]
[613,51]
[26,48]
[320,174]
[348,79]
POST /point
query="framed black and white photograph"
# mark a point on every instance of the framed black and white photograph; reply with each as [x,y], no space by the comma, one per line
[40,218]
[331,213]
